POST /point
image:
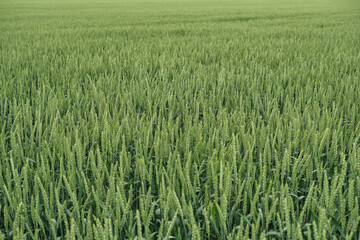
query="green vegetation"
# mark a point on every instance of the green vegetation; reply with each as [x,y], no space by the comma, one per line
[179,120]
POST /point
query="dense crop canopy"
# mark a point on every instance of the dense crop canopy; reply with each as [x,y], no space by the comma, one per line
[186,120]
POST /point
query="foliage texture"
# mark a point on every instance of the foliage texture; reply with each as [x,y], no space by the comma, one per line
[179,120]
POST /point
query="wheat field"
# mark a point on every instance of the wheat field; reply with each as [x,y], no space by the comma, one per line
[179,119]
